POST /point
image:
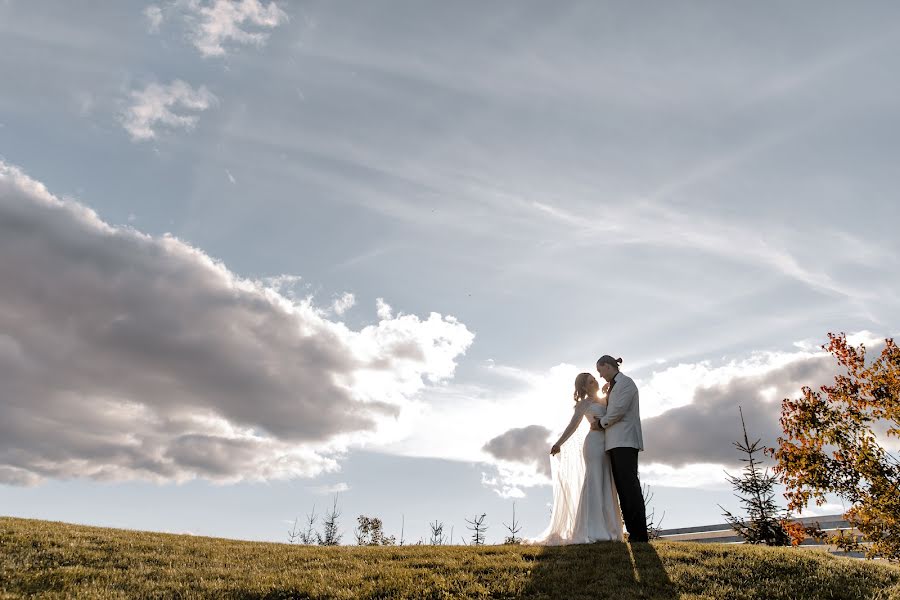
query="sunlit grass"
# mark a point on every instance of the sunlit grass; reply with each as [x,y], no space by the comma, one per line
[55,560]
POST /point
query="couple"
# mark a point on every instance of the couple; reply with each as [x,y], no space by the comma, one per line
[596,470]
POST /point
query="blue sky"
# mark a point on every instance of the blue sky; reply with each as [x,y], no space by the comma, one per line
[256,252]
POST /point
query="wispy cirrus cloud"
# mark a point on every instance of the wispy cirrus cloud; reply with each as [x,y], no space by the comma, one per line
[573,220]
[170,106]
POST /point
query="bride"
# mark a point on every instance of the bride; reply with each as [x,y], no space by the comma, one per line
[585,503]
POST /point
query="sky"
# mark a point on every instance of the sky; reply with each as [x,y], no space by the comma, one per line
[256,255]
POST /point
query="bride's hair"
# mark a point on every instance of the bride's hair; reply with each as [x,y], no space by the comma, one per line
[581,383]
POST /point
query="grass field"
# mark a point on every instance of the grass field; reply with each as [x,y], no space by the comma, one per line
[57,560]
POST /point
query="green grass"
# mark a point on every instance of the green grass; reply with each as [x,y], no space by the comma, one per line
[57,560]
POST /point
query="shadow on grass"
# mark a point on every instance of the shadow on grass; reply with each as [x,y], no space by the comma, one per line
[613,570]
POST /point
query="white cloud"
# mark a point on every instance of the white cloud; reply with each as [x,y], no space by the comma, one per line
[344,303]
[336,488]
[501,484]
[865,337]
[155,105]
[16,476]
[383,309]
[829,508]
[676,385]
[285,284]
[127,356]
[214,24]
[695,476]
[458,421]
[689,410]
[230,177]
[154,16]
[223,20]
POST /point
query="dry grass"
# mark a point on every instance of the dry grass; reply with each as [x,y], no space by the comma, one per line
[56,560]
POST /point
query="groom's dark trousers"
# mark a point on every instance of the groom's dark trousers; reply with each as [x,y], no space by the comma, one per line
[631,498]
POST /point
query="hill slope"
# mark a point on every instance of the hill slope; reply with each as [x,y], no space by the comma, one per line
[60,560]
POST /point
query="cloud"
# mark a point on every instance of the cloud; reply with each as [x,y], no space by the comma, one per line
[690,415]
[521,460]
[676,385]
[527,445]
[652,223]
[212,24]
[221,21]
[383,309]
[336,488]
[705,430]
[472,414]
[501,484]
[829,508]
[344,303]
[154,16]
[285,284]
[127,356]
[20,477]
[154,106]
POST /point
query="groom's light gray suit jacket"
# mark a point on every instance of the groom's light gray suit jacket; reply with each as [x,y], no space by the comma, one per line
[623,415]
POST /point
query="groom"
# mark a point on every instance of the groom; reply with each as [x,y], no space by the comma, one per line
[622,424]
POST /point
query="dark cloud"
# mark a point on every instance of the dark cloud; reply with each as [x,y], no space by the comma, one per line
[526,445]
[705,430]
[123,355]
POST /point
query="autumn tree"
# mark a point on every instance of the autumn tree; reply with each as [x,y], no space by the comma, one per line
[370,532]
[834,443]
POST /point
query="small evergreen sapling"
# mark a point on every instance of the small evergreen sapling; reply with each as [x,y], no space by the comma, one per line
[514,528]
[764,522]
[330,535]
[477,527]
[437,533]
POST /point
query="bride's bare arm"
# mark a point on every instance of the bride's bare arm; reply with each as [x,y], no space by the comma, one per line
[570,428]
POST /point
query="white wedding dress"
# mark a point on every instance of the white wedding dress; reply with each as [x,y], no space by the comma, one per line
[585,502]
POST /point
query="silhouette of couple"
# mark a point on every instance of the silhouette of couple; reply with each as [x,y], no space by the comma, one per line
[594,463]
